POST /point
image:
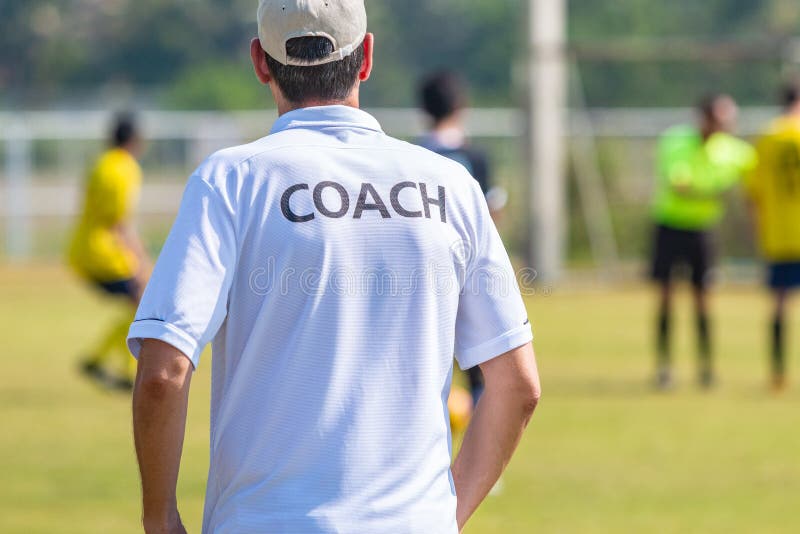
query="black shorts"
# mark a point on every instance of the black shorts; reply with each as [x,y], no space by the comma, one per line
[125,288]
[682,248]
[784,275]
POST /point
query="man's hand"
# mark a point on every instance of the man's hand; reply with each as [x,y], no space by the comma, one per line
[510,396]
[175,527]
[160,398]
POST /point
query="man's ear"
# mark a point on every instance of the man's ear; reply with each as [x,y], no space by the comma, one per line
[259,59]
[366,65]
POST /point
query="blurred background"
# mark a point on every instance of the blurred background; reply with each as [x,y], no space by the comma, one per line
[634,67]
[605,453]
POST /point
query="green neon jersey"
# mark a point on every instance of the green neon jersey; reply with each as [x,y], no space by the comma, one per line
[692,175]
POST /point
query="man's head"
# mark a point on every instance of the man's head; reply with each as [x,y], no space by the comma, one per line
[718,113]
[790,96]
[125,134]
[312,52]
[442,96]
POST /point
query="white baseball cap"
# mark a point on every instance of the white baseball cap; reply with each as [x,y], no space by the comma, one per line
[344,22]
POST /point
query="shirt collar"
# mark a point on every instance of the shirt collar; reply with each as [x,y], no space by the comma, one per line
[444,139]
[325,116]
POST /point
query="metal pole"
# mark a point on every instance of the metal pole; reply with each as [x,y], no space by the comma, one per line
[18,176]
[546,128]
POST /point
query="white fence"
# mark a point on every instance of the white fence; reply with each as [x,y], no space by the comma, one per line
[24,197]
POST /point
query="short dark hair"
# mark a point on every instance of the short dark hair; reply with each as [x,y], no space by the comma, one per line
[707,105]
[790,94]
[442,94]
[124,130]
[330,82]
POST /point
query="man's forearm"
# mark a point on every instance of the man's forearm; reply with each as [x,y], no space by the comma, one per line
[159,418]
[511,394]
[493,435]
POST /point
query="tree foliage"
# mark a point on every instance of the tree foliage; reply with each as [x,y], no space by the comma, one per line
[194,53]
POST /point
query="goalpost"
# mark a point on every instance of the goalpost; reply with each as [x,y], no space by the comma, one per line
[546,110]
[546,116]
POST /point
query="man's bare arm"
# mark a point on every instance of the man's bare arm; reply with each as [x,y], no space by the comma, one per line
[511,394]
[160,399]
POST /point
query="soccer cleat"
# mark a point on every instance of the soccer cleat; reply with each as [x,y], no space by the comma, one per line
[707,379]
[93,371]
[664,379]
[778,384]
[122,384]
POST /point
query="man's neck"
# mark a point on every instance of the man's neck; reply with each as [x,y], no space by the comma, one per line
[285,106]
[706,132]
[125,148]
[793,112]
[452,122]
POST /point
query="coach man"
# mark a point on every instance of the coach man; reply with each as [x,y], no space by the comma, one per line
[336,270]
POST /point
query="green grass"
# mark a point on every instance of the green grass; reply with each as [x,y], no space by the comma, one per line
[603,453]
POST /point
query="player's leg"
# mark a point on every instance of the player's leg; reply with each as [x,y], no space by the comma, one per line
[783,278]
[134,289]
[703,327]
[99,354]
[114,339]
[127,363]
[475,383]
[664,256]
[701,261]
[106,346]
[663,336]
[778,338]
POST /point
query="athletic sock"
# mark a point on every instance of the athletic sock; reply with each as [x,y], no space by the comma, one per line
[128,363]
[663,338]
[778,364]
[475,384]
[704,349]
[663,372]
[114,341]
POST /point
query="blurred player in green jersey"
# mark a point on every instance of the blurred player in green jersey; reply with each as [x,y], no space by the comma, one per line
[774,193]
[696,165]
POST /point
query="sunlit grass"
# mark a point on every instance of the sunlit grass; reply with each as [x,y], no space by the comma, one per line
[603,454]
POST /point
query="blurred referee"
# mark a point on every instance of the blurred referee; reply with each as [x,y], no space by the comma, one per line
[696,166]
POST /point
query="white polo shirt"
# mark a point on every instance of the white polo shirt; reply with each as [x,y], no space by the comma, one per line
[336,271]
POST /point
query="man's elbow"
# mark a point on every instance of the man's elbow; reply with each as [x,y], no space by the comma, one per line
[163,371]
[529,396]
[161,383]
[157,387]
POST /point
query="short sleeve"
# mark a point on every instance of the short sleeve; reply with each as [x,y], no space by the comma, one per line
[491,318]
[185,302]
[754,179]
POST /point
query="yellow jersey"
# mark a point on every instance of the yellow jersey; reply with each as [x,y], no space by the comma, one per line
[97,251]
[774,188]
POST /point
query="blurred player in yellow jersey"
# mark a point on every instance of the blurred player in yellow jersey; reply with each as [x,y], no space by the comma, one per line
[774,192]
[106,251]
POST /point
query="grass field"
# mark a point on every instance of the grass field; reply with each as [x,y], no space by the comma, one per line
[603,454]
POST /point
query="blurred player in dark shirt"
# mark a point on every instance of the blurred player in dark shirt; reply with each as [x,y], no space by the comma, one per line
[442,96]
